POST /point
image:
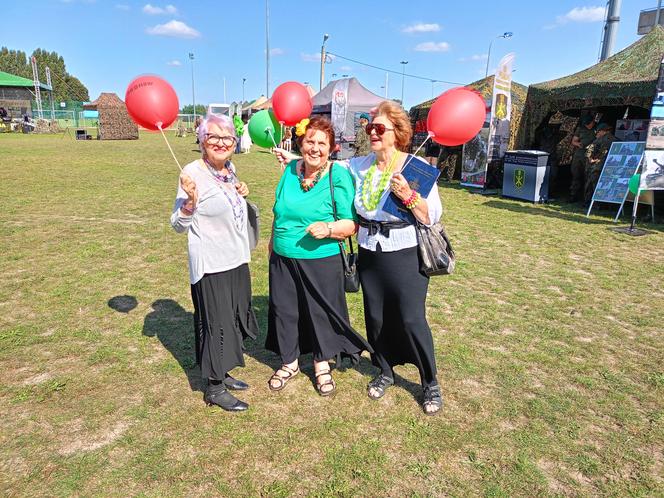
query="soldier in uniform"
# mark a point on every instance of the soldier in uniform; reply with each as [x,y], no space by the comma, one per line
[583,137]
[596,153]
[448,161]
[362,144]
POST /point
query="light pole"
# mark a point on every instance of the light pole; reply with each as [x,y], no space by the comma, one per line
[322,61]
[506,34]
[193,92]
[243,80]
[267,49]
[403,78]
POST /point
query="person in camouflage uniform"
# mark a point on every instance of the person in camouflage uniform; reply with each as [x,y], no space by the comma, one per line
[362,143]
[448,161]
[583,137]
[596,153]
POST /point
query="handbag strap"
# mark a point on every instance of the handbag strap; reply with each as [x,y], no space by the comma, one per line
[334,212]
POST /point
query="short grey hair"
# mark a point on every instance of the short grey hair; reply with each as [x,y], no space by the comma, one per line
[223,122]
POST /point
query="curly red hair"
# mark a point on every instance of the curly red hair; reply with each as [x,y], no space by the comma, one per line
[320,123]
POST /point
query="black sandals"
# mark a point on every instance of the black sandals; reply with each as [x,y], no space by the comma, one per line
[433,399]
[321,385]
[379,384]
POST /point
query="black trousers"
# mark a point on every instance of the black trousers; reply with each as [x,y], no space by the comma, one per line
[223,318]
[308,311]
[394,294]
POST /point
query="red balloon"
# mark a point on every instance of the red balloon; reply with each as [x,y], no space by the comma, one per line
[152,102]
[291,103]
[456,116]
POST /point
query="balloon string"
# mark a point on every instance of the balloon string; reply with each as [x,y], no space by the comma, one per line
[272,138]
[169,147]
[415,153]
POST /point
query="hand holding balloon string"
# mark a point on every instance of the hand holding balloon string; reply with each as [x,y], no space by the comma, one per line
[189,187]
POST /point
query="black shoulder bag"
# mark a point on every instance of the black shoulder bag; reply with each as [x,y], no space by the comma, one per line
[349,261]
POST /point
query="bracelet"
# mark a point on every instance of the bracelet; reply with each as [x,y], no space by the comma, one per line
[413,200]
[410,199]
[186,210]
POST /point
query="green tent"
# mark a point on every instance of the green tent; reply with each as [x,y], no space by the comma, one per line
[420,112]
[627,78]
[11,80]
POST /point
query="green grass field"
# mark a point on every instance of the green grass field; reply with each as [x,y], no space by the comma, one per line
[549,339]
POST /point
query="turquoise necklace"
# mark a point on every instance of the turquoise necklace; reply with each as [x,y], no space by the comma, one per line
[369,197]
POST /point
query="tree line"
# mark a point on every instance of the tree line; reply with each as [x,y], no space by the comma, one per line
[65,86]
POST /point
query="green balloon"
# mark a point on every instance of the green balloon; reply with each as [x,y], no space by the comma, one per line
[264,129]
[634,183]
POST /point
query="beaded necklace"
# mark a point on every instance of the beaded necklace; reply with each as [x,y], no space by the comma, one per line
[233,198]
[306,187]
[370,197]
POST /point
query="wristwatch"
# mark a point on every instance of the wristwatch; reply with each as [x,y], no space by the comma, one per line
[329,230]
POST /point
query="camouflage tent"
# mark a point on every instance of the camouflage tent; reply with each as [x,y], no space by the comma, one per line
[625,79]
[419,113]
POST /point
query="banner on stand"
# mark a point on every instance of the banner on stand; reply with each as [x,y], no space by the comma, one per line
[339,106]
[501,109]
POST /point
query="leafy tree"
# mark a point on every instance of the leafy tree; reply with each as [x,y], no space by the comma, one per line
[189,109]
[65,86]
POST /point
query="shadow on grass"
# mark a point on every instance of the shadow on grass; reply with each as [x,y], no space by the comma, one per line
[567,212]
[256,349]
[122,304]
[173,326]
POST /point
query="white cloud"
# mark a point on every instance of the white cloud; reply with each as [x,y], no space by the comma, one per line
[277,51]
[346,68]
[175,29]
[174,62]
[121,6]
[580,14]
[314,57]
[421,28]
[154,10]
[474,57]
[432,47]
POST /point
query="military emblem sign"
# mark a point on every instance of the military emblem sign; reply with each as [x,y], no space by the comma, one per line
[519,178]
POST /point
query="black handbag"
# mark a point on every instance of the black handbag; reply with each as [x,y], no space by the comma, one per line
[435,251]
[349,260]
[253,227]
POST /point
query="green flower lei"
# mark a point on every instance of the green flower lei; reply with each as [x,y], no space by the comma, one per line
[369,197]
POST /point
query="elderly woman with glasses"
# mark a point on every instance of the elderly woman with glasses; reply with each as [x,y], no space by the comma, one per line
[211,208]
[394,290]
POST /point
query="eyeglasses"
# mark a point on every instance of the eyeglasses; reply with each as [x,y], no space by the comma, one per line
[379,127]
[216,140]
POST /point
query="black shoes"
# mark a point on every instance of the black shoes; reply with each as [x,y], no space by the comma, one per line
[235,384]
[217,394]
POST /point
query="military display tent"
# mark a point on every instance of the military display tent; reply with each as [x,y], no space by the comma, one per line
[114,120]
[419,113]
[626,79]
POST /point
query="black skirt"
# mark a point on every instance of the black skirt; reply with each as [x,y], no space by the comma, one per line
[223,318]
[394,293]
[308,311]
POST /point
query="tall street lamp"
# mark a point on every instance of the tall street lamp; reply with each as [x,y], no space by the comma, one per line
[322,61]
[403,77]
[506,35]
[193,92]
[243,81]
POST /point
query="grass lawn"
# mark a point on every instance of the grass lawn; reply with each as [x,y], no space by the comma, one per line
[549,341]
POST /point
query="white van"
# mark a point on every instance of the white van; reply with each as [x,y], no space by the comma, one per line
[219,109]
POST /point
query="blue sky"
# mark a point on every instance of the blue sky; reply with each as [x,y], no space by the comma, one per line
[106,43]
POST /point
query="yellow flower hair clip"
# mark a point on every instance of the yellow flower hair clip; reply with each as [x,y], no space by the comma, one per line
[301,127]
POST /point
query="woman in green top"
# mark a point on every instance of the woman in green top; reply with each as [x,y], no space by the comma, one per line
[307,305]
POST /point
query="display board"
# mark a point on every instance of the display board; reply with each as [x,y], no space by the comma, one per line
[621,163]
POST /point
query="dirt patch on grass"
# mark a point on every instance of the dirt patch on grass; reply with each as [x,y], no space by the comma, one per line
[37,379]
[92,442]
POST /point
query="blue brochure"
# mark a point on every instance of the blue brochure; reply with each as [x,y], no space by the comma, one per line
[421,177]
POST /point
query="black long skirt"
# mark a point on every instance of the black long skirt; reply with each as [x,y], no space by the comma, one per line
[394,293]
[223,318]
[308,311]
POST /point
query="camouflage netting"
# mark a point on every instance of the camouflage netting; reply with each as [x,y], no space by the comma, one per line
[627,78]
[485,87]
[114,120]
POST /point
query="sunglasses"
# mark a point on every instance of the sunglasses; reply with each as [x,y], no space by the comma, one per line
[216,140]
[380,128]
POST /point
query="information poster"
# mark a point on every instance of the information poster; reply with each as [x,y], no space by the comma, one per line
[621,163]
[473,165]
[631,130]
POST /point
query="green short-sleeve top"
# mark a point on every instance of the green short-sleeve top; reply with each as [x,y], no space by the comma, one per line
[294,210]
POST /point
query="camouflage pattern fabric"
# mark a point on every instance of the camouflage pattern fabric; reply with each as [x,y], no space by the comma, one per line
[362,144]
